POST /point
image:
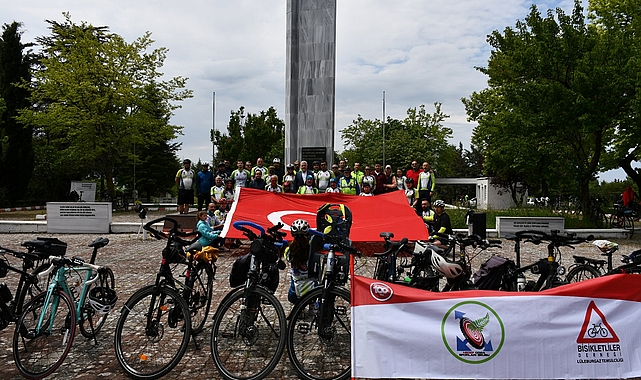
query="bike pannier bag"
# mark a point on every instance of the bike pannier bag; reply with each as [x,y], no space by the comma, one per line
[490,274]
[239,269]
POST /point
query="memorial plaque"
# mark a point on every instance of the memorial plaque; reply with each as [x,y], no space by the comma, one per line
[311,154]
[79,217]
[510,224]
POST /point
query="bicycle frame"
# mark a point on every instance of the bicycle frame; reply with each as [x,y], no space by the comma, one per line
[60,281]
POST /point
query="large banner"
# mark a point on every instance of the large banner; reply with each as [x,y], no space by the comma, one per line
[584,330]
[371,215]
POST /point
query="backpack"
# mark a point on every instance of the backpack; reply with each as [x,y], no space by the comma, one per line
[490,274]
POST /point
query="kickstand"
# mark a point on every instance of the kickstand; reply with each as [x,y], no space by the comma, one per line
[193,339]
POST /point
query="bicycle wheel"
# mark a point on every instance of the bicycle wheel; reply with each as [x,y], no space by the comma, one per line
[201,283]
[326,354]
[91,320]
[247,342]
[30,290]
[39,352]
[582,272]
[152,332]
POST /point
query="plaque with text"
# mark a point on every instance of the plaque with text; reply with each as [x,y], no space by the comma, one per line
[79,217]
[311,154]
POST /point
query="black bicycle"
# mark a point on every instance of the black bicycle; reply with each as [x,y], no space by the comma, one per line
[248,337]
[585,268]
[34,261]
[401,265]
[157,321]
[549,270]
[319,331]
[623,217]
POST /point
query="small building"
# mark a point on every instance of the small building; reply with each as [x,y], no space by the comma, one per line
[488,195]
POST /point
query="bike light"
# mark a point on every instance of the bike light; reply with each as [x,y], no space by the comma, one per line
[560,270]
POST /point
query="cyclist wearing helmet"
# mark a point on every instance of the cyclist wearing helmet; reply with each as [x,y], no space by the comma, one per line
[297,254]
[410,192]
[442,224]
[333,186]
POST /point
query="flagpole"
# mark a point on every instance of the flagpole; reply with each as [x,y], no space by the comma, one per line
[213,134]
[383,129]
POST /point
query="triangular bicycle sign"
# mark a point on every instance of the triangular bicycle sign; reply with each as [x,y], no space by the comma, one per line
[596,332]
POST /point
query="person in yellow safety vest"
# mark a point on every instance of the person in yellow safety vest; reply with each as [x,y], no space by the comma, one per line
[308,187]
[348,184]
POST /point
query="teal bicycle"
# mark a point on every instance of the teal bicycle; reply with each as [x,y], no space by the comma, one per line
[79,294]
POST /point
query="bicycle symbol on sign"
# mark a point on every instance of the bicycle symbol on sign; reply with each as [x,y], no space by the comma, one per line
[597,329]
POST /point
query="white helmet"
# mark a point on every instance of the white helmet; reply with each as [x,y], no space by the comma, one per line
[300,227]
[450,270]
[438,203]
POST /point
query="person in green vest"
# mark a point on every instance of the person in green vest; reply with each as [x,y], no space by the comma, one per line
[309,187]
[348,184]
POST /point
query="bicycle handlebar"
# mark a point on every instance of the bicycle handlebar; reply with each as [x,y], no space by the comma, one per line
[174,233]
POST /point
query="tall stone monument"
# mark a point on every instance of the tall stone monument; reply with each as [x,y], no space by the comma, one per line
[310,81]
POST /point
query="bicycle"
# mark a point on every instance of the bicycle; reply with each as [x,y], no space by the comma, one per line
[248,337]
[33,262]
[585,268]
[597,329]
[597,215]
[157,321]
[46,329]
[319,330]
[416,264]
[549,270]
[623,217]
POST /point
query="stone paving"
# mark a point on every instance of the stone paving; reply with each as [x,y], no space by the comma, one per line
[135,264]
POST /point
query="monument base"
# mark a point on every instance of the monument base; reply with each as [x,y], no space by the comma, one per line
[187,222]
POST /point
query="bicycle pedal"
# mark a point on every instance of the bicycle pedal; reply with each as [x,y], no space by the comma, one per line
[303,328]
[340,310]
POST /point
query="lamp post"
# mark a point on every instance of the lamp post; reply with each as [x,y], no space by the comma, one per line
[383,128]
[213,130]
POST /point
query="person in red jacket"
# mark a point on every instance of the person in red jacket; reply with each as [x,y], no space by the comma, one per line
[414,172]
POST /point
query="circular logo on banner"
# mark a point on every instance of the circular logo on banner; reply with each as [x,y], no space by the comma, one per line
[472,332]
[277,216]
[380,291]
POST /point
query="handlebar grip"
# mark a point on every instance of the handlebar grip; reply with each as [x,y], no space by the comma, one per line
[241,223]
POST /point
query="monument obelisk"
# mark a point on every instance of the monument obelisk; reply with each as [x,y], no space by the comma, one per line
[310,80]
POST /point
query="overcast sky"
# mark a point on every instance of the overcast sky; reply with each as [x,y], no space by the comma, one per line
[418,52]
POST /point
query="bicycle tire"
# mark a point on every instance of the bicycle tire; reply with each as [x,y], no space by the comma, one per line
[243,350]
[38,355]
[201,283]
[150,352]
[29,291]
[92,321]
[582,272]
[312,356]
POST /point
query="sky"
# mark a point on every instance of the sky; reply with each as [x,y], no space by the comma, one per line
[417,51]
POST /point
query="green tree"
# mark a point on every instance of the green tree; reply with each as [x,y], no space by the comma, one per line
[552,104]
[250,136]
[97,95]
[420,136]
[16,151]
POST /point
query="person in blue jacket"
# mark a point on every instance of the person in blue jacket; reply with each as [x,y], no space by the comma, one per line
[208,235]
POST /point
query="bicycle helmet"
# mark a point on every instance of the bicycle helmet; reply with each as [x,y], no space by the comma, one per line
[205,163]
[449,270]
[438,203]
[300,227]
[102,299]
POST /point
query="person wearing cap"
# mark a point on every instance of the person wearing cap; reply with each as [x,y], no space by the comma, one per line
[278,170]
[222,172]
[315,167]
[185,181]
[390,179]
[204,183]
[322,177]
[333,186]
[336,173]
[308,187]
[287,187]
[379,186]
[348,184]
[411,194]
[289,176]
[301,175]
[218,190]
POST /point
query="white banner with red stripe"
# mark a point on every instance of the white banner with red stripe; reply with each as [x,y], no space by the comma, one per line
[584,330]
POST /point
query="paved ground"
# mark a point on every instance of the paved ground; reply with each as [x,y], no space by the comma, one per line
[135,264]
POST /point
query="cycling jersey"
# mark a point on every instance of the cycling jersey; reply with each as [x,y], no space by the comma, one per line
[322,179]
[261,168]
[217,192]
[186,179]
[277,189]
[240,177]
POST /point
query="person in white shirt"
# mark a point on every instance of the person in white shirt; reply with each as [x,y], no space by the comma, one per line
[322,177]
[366,190]
[333,186]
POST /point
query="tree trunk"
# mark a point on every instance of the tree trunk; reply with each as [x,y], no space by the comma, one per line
[626,165]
